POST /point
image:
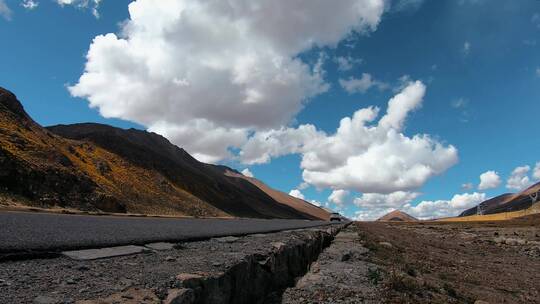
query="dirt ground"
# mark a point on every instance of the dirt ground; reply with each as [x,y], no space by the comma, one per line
[465,262]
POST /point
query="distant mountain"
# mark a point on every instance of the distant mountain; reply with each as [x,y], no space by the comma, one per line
[99,167]
[397,216]
[505,203]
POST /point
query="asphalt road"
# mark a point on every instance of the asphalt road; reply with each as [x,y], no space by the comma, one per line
[24,232]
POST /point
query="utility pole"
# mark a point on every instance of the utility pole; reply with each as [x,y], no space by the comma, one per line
[479,210]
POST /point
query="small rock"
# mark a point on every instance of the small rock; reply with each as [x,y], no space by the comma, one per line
[161,246]
[277,245]
[217,264]
[227,239]
[70,282]
[180,296]
[44,300]
[346,257]
[83,268]
[386,244]
[170,259]
[480,302]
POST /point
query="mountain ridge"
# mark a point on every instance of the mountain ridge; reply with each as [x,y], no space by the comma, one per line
[100,167]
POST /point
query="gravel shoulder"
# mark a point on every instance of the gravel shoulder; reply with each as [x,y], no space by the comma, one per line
[222,268]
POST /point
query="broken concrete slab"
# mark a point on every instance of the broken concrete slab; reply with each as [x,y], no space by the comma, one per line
[102,253]
[161,246]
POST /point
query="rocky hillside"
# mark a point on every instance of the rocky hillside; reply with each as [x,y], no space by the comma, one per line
[397,216]
[506,203]
[101,168]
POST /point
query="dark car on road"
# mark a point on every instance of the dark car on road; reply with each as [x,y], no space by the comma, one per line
[335,217]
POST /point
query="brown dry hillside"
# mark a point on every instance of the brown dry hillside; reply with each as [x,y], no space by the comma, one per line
[284,198]
[101,168]
[505,203]
[397,216]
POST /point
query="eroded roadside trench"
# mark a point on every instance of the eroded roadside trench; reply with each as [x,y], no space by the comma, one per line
[267,268]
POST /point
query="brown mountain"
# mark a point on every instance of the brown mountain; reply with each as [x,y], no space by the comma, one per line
[506,202]
[397,216]
[284,198]
[99,167]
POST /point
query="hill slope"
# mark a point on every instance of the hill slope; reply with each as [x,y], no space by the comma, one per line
[284,198]
[397,216]
[505,203]
[99,167]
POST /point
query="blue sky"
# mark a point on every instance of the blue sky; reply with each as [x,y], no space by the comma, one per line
[478,61]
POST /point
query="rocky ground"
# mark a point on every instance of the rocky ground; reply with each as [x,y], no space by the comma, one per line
[423,262]
[342,274]
[478,262]
[223,270]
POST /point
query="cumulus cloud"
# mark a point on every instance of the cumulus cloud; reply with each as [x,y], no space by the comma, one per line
[445,208]
[338,197]
[5,11]
[371,214]
[374,205]
[297,193]
[362,85]
[222,68]
[393,200]
[489,180]
[362,155]
[30,4]
[346,63]
[91,4]
[536,172]
[247,173]
[519,179]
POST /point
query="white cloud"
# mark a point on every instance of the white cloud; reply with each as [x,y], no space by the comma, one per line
[460,103]
[29,4]
[316,203]
[443,208]
[362,85]
[362,155]
[374,205]
[91,4]
[338,197]
[224,68]
[466,48]
[393,200]
[519,179]
[467,186]
[371,214]
[536,172]
[5,11]
[538,72]
[489,180]
[346,63]
[297,193]
[303,186]
[247,173]
[535,19]
[407,5]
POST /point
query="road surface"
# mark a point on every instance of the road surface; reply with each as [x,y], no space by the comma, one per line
[26,232]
